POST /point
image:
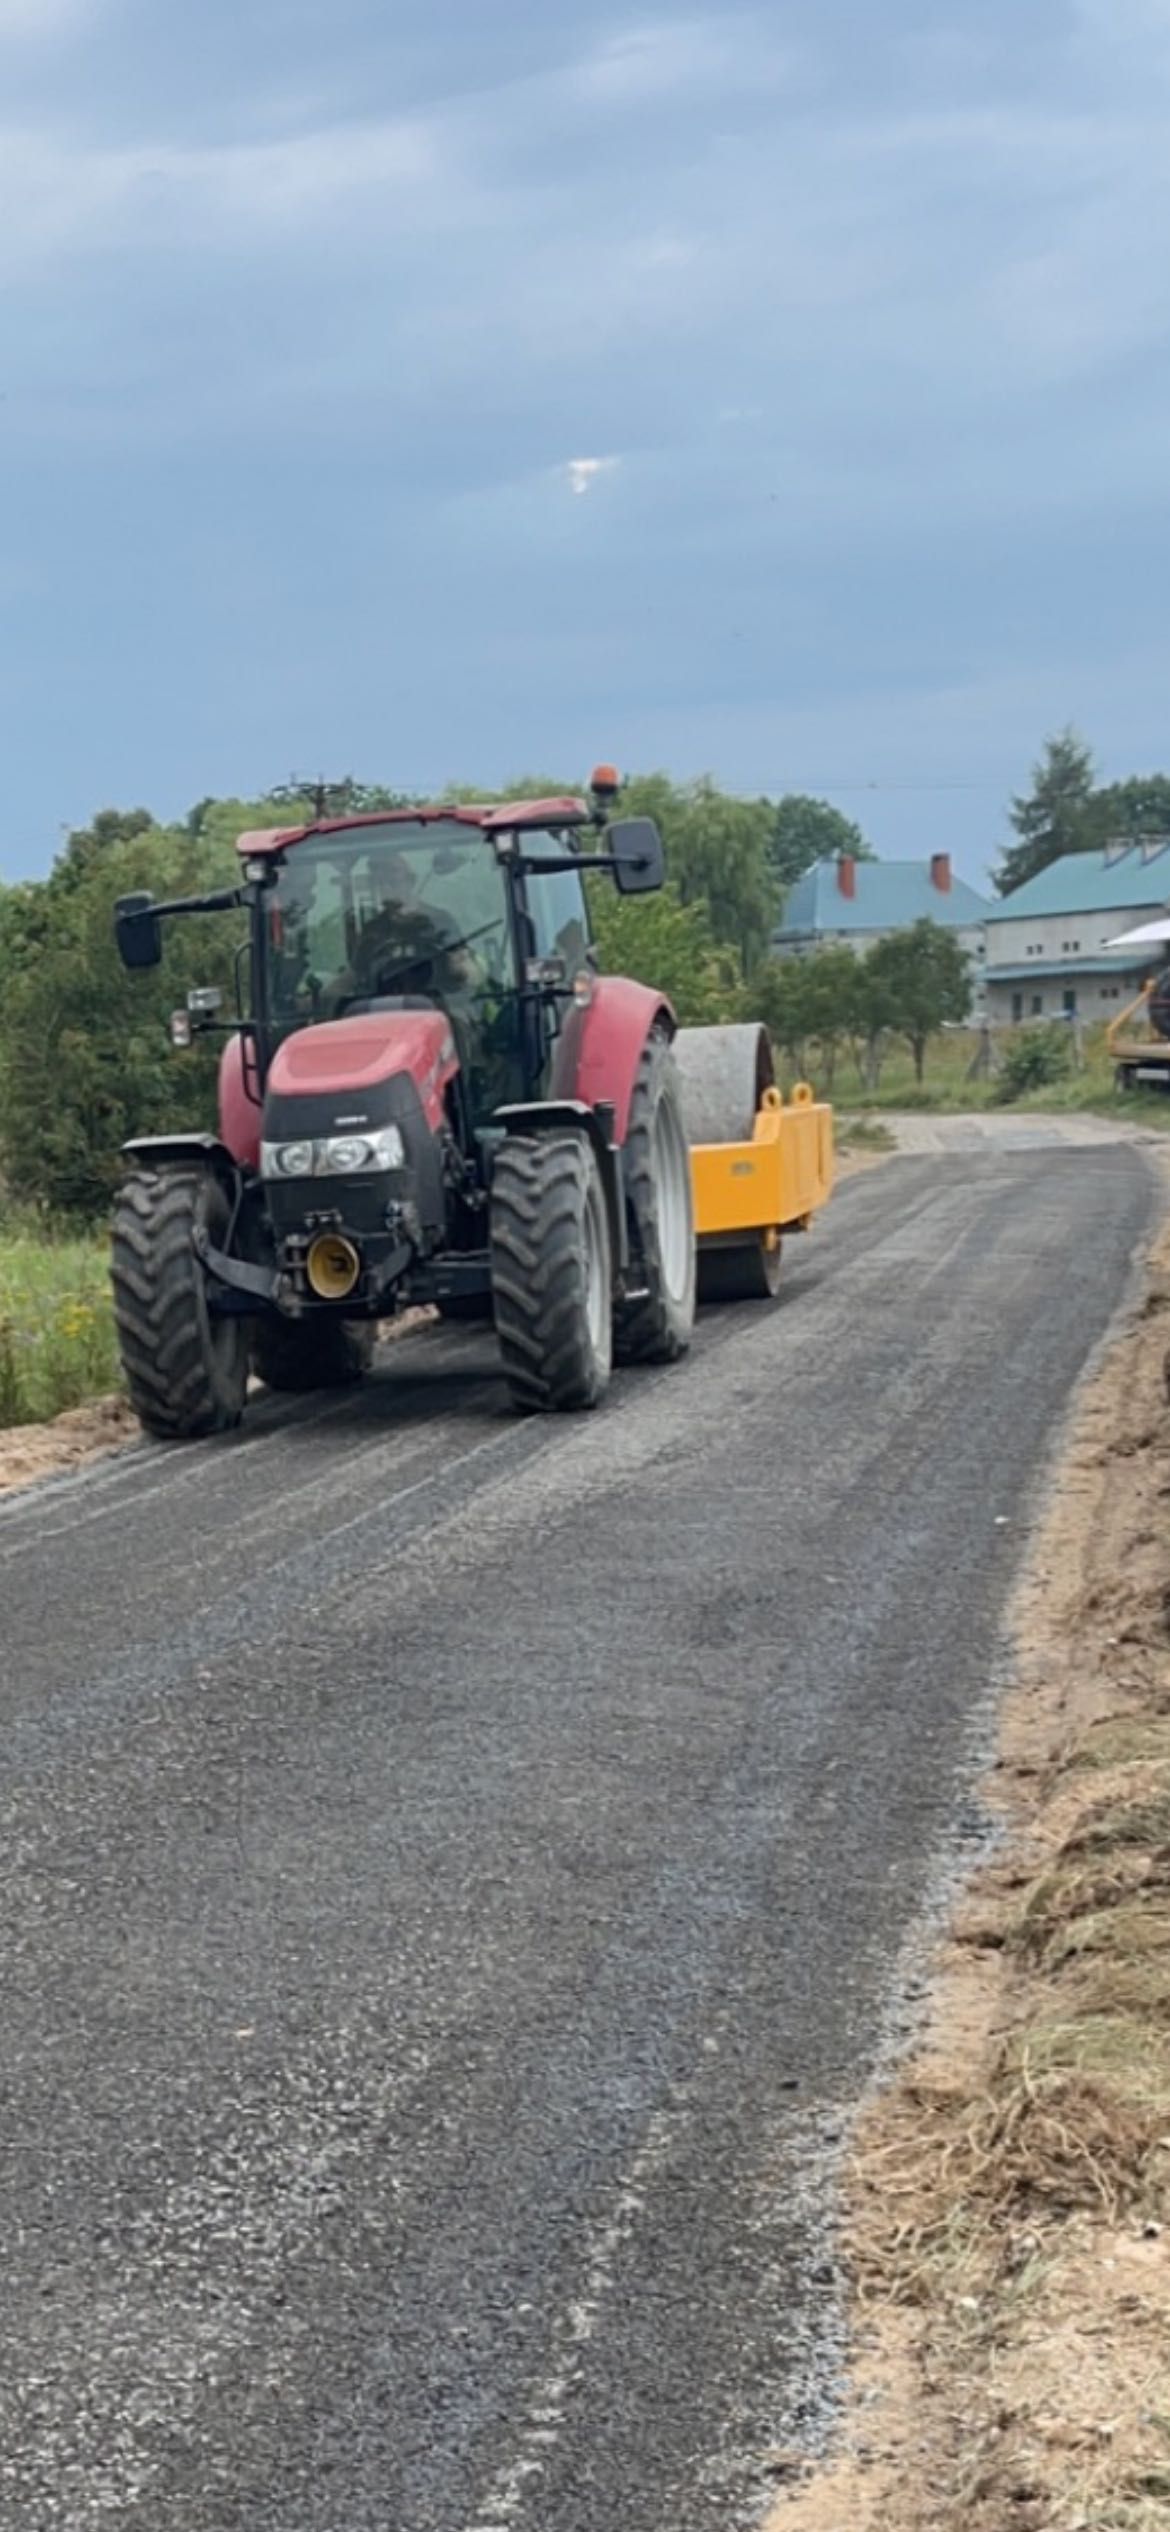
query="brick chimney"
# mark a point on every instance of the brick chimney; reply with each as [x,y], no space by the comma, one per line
[940,872]
[847,875]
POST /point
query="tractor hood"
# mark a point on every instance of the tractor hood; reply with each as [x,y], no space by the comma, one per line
[344,1064]
[376,1080]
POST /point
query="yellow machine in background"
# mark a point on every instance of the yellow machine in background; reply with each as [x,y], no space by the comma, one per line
[761,1166]
[1139,1038]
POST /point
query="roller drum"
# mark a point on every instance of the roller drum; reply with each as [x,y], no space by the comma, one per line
[724,1074]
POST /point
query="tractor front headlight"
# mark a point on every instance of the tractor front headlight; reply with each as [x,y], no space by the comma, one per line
[286,1160]
[354,1155]
[335,1155]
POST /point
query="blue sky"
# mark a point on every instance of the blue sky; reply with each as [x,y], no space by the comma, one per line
[443,391]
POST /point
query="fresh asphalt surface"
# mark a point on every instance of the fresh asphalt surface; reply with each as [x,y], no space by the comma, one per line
[452,1881]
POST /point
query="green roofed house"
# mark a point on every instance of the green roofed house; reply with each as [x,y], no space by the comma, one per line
[1048,953]
[857,903]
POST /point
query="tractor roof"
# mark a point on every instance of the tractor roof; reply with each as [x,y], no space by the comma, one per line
[491,818]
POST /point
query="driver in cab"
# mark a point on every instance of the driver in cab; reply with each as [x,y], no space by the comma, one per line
[404,947]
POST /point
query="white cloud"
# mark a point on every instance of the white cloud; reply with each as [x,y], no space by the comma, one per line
[582,473]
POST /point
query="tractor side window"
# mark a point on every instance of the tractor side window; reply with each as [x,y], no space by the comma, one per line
[560,918]
[307,937]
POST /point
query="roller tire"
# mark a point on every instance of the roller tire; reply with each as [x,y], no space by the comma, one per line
[658,1325]
[186,1373]
[299,1355]
[748,1271]
[552,1272]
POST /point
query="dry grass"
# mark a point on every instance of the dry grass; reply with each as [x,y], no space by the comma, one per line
[1008,2217]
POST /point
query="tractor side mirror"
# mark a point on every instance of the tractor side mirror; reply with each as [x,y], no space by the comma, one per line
[639,862]
[137,931]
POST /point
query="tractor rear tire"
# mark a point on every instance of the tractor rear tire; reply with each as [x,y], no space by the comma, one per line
[746,1271]
[186,1372]
[657,1326]
[314,1353]
[552,1272]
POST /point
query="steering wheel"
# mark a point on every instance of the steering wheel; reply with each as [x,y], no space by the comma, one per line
[440,949]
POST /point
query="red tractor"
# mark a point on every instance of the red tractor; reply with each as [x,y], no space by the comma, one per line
[434,1098]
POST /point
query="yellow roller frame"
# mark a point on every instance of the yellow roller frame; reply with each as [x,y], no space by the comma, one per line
[778,1180]
[1130,1038]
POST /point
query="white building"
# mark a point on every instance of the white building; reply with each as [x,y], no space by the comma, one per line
[1047,954]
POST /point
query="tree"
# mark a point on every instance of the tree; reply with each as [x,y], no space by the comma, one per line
[921,978]
[716,855]
[86,844]
[783,996]
[85,1058]
[221,821]
[808,1001]
[805,831]
[1060,814]
[663,943]
[1135,808]
[874,1016]
[834,997]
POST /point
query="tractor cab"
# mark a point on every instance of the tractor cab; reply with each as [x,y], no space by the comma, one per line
[380,920]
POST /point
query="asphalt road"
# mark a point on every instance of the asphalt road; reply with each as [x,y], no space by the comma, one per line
[452,1881]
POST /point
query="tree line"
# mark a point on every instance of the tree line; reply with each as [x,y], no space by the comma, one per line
[909,985]
[85,1058]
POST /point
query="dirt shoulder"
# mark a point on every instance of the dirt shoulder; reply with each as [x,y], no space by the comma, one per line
[1005,2203]
[31,1452]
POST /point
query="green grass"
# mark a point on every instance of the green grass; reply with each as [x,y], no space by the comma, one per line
[946,1088]
[57,1343]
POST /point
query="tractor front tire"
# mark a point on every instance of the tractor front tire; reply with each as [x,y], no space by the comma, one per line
[552,1272]
[186,1371]
[657,1326]
[314,1353]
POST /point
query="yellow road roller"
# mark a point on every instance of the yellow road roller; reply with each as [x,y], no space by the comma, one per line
[761,1164]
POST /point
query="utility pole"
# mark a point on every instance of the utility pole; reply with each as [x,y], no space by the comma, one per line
[330,799]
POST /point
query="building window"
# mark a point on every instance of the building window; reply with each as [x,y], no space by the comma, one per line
[1069,1002]
[1017,1006]
[1037,1005]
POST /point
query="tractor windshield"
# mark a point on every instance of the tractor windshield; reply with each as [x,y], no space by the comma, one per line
[375,912]
[421,911]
